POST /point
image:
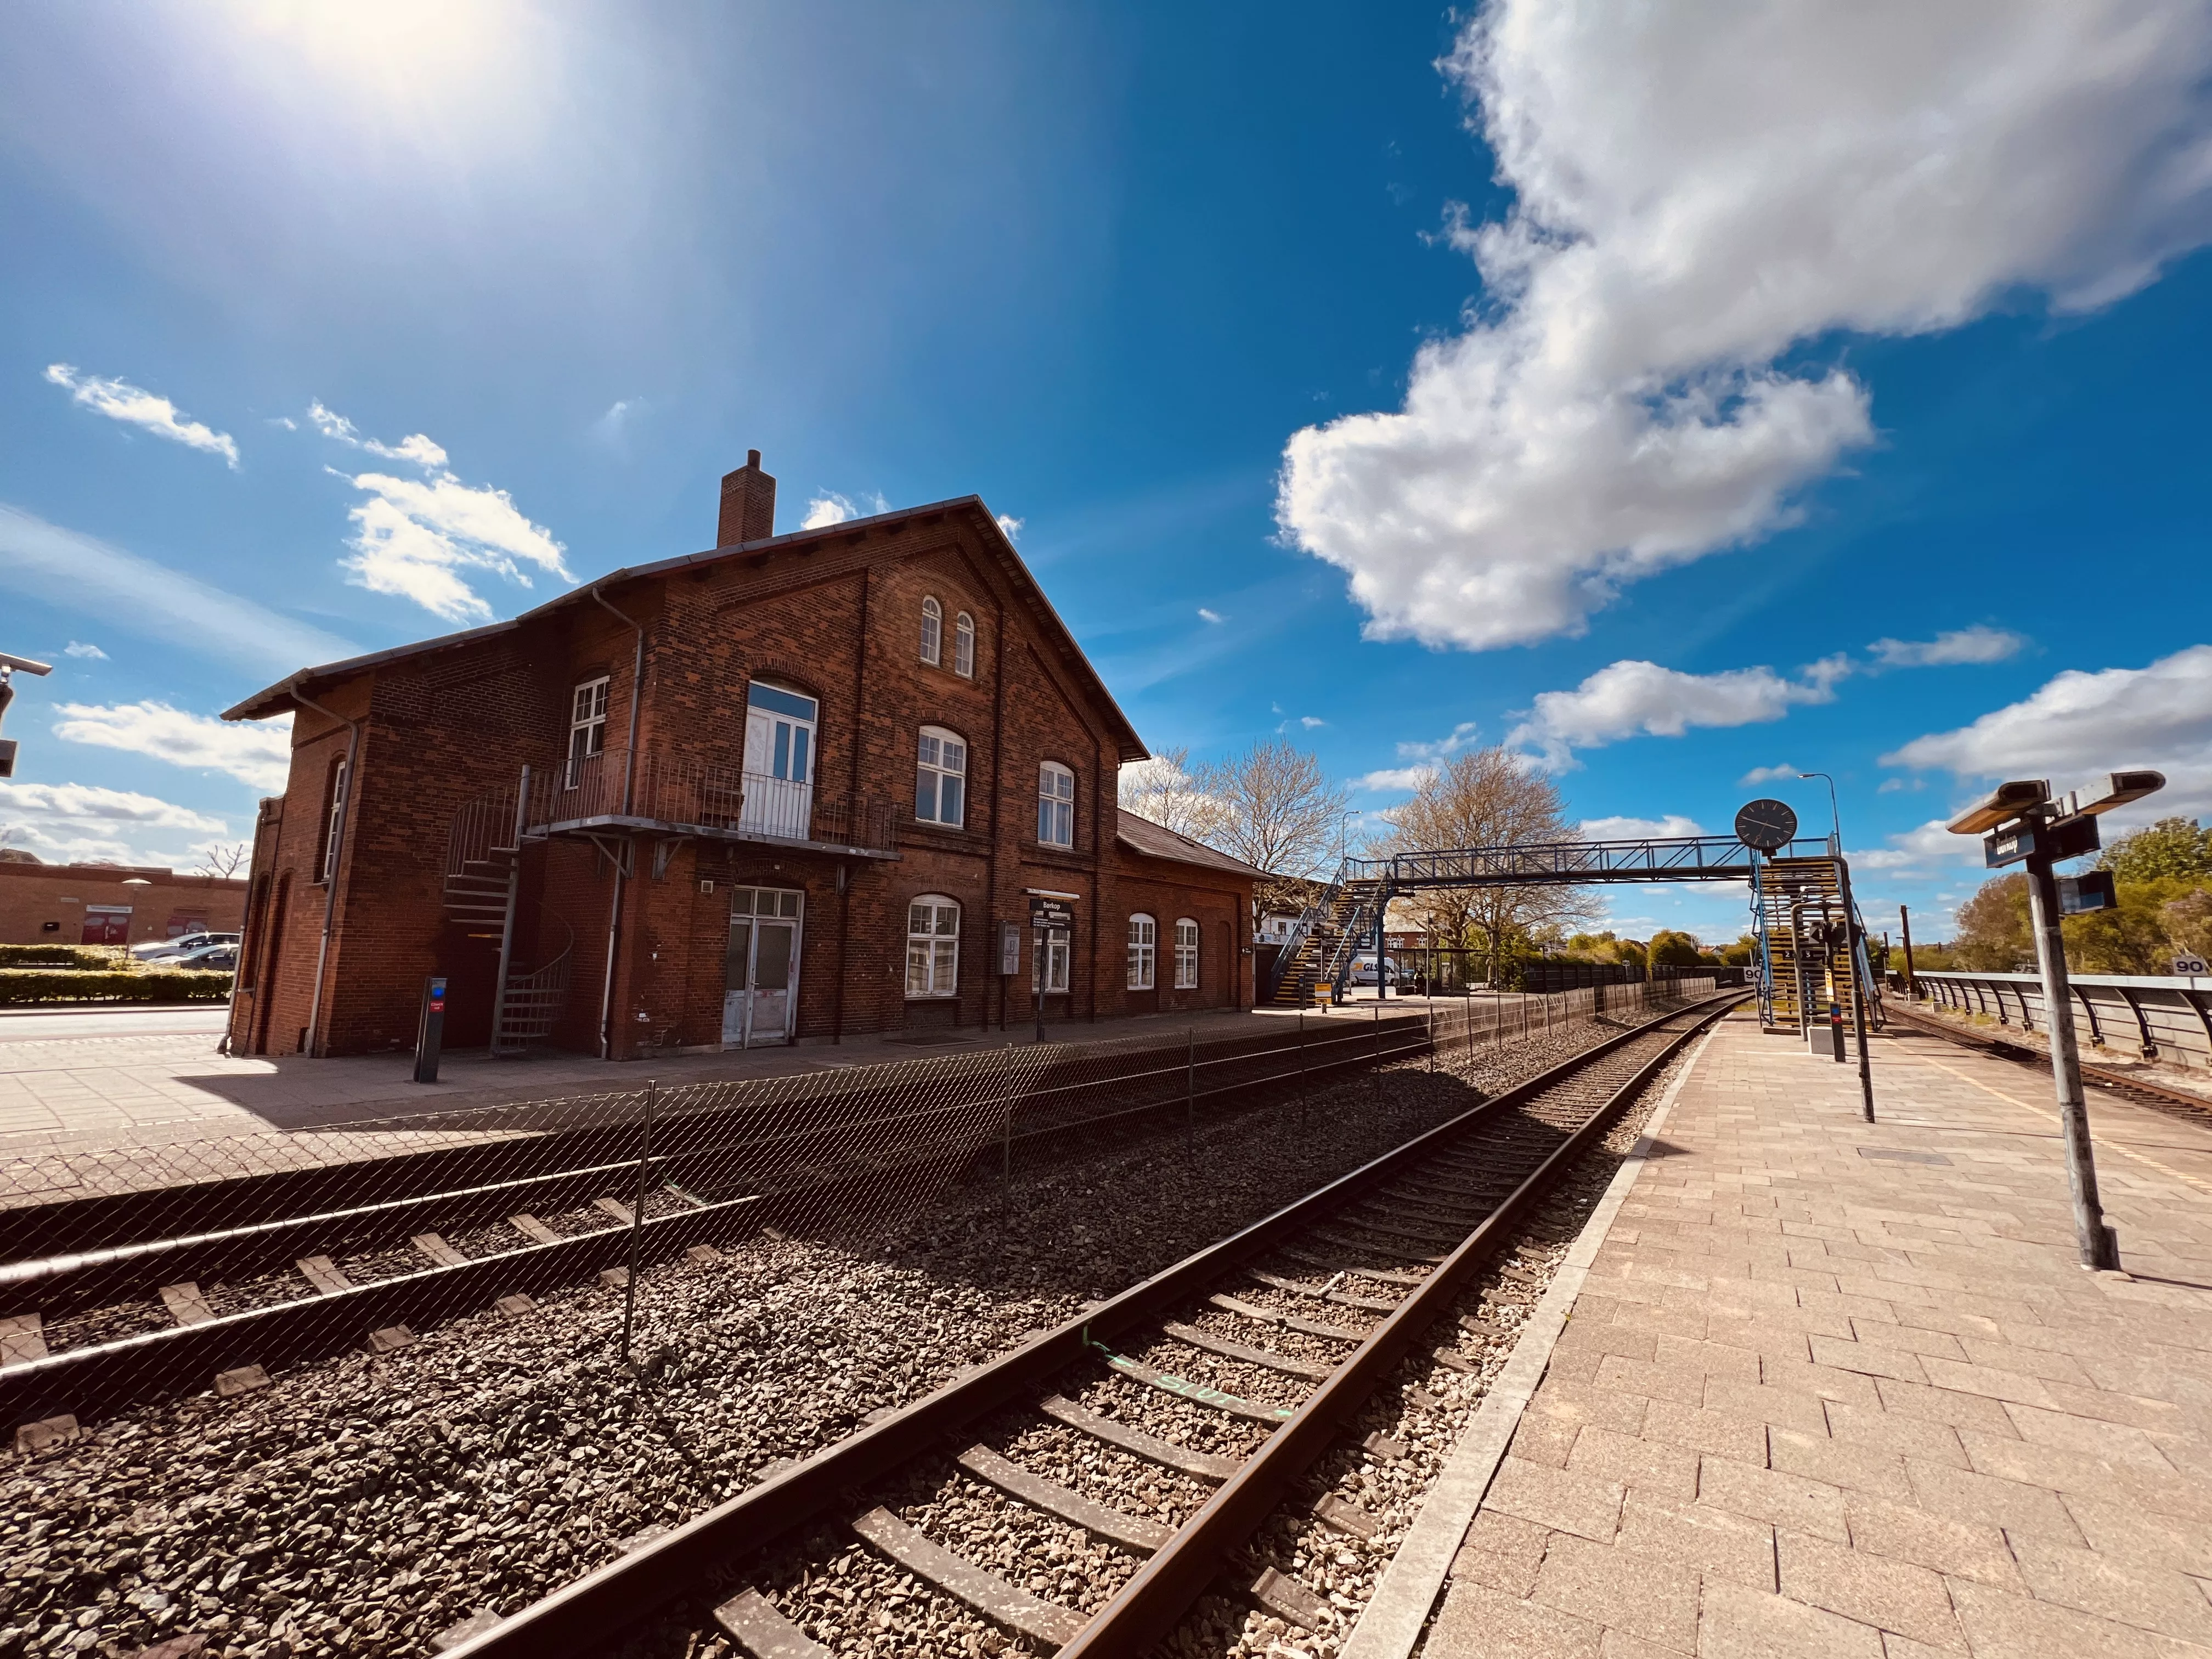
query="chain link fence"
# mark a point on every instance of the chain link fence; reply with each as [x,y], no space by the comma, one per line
[127,1278]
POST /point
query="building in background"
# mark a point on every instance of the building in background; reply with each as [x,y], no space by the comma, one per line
[796,787]
[110,903]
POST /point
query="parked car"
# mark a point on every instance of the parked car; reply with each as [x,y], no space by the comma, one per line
[222,958]
[1362,970]
[165,950]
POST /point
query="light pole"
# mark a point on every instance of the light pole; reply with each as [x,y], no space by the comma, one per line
[9,665]
[1835,817]
[1343,834]
[2020,822]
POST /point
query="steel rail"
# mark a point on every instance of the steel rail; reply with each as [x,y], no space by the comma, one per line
[1162,1591]
[153,1363]
[582,1616]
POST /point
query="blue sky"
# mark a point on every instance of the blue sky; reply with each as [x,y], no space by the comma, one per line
[1396,377]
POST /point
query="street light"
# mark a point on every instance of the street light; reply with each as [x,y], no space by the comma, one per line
[9,665]
[1343,833]
[1835,817]
[2022,823]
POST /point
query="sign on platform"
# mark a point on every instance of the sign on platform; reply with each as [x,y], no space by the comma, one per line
[1051,912]
[2191,966]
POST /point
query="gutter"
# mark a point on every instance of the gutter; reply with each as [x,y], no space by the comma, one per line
[336,858]
[630,783]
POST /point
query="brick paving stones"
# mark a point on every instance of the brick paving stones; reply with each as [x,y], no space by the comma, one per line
[1812,1402]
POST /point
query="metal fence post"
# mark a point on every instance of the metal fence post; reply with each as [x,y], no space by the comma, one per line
[1432,1036]
[637,1217]
[1190,1085]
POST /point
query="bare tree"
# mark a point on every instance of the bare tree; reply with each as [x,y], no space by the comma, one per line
[1487,798]
[1162,789]
[223,863]
[1280,813]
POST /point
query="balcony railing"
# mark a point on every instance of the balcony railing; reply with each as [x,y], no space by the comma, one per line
[679,793]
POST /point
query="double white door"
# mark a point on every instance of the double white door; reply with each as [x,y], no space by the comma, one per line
[760,995]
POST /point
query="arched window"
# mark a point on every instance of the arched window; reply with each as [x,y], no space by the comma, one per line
[933,947]
[1143,943]
[1186,947]
[963,644]
[940,783]
[1056,805]
[932,631]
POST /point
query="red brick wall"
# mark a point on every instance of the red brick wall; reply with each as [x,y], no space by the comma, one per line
[33,895]
[838,617]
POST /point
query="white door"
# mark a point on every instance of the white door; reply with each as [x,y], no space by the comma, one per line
[760,992]
[779,761]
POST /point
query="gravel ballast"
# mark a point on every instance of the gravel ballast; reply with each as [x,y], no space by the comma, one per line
[360,1506]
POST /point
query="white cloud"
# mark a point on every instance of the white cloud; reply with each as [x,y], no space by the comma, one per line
[2078,725]
[1630,698]
[119,400]
[1671,827]
[419,539]
[1009,524]
[1775,774]
[614,426]
[1696,196]
[1394,778]
[413,447]
[79,574]
[259,753]
[1204,615]
[830,508]
[1977,644]
[1923,851]
[78,648]
[75,823]
[1309,721]
[1462,737]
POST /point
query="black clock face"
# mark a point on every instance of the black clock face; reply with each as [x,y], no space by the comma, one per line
[1766,825]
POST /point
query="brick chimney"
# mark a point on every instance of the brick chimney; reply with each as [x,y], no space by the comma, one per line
[748,504]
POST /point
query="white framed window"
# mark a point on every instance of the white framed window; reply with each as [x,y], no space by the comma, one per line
[932,631]
[1048,965]
[963,644]
[1144,946]
[588,719]
[334,826]
[933,947]
[1056,805]
[1186,949]
[940,783]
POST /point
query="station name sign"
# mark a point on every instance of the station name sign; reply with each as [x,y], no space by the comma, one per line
[1051,911]
[2068,838]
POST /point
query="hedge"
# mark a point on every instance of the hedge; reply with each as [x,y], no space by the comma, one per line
[90,957]
[74,985]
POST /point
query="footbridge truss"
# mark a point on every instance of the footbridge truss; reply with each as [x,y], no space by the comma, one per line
[1793,889]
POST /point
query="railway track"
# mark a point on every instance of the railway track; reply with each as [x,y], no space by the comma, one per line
[106,1324]
[1028,1497]
[2126,1085]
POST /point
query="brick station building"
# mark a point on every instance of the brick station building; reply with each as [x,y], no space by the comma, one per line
[796,787]
[109,903]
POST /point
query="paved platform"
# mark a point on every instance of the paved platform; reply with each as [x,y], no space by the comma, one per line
[1835,1388]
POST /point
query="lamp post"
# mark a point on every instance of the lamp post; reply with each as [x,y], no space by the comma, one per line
[2020,822]
[1835,817]
[9,665]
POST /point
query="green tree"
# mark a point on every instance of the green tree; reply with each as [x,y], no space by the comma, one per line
[1994,936]
[2172,846]
[1672,950]
[1742,954]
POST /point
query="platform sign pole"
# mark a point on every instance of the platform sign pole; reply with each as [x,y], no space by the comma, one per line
[1853,940]
[2100,1249]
